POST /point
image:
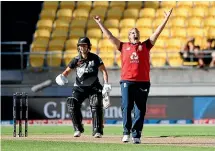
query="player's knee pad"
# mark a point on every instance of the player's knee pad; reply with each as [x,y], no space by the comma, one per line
[97,113]
[74,109]
[72,104]
[96,101]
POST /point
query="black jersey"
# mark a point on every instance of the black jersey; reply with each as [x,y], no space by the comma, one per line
[86,69]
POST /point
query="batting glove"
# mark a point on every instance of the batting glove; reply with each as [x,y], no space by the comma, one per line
[106,100]
[106,88]
[105,92]
[61,80]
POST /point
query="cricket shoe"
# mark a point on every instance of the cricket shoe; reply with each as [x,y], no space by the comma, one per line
[136,140]
[125,138]
[98,135]
[77,134]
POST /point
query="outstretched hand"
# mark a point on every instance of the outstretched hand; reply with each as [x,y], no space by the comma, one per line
[97,19]
[167,14]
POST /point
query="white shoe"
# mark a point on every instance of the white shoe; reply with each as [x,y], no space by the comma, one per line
[126,138]
[98,135]
[77,134]
[136,140]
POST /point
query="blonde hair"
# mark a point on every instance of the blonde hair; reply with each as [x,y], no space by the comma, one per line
[130,32]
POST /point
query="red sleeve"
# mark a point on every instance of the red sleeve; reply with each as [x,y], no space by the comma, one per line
[148,44]
[120,46]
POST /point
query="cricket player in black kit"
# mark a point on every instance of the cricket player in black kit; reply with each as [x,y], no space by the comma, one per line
[87,85]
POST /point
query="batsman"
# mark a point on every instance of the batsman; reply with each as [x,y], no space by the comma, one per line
[86,86]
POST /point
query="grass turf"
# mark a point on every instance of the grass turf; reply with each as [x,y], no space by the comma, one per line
[204,131]
[74,146]
[179,131]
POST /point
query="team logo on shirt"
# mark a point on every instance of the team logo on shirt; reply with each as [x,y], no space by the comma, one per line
[91,64]
[128,48]
[134,58]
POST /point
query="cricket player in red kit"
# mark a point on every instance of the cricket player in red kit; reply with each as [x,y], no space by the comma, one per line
[135,78]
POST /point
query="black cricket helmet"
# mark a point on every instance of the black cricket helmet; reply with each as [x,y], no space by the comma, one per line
[84,40]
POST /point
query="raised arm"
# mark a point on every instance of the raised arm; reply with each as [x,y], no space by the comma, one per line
[107,33]
[160,28]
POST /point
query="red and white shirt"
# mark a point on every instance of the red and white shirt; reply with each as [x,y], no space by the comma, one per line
[135,60]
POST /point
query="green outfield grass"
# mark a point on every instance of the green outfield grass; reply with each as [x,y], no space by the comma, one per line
[72,146]
[204,131]
[159,131]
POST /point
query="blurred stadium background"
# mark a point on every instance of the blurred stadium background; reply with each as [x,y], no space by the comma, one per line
[38,39]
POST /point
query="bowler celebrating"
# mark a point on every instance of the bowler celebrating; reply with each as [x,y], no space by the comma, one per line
[135,78]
